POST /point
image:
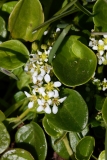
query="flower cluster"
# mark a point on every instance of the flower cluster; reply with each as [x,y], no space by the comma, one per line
[101,47]
[101,85]
[45,92]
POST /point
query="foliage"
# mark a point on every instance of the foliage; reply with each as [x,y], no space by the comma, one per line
[53,79]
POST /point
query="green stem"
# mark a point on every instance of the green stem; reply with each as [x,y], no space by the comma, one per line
[24,113]
[55,18]
[14,107]
[58,42]
[106,144]
[94,157]
[70,152]
[98,33]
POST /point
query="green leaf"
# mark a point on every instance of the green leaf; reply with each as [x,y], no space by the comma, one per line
[85,148]
[72,114]
[13,54]
[100,13]
[31,137]
[16,154]
[104,111]
[60,148]
[99,100]
[2,116]
[25,16]
[3,31]
[74,63]
[8,7]
[102,156]
[8,73]
[4,138]
[51,129]
[73,140]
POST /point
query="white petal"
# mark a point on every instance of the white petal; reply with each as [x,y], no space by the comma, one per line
[58,29]
[47,109]
[101,52]
[26,69]
[42,72]
[104,80]
[95,47]
[56,94]
[50,94]
[105,36]
[100,42]
[62,99]
[27,94]
[34,79]
[39,77]
[54,109]
[30,105]
[105,47]
[40,102]
[47,78]
[41,90]
[57,84]
[49,101]
[40,108]
[45,33]
[35,73]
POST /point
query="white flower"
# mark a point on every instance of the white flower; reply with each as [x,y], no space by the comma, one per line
[30,104]
[54,109]
[47,78]
[45,33]
[58,30]
[43,106]
[33,98]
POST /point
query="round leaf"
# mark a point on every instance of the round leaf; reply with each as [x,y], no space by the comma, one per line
[13,54]
[100,17]
[17,154]
[8,7]
[104,111]
[3,31]
[2,116]
[74,63]
[72,114]
[24,18]
[31,137]
[51,130]
[102,156]
[85,148]
[4,138]
[60,148]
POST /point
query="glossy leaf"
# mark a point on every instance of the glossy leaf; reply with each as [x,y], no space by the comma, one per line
[99,100]
[60,148]
[13,54]
[25,16]
[74,63]
[72,114]
[2,116]
[8,73]
[16,154]
[102,156]
[100,17]
[31,137]
[3,31]
[51,129]
[104,111]
[4,138]
[8,7]
[85,148]
[73,140]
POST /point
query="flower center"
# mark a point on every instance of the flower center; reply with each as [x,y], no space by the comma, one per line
[49,86]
